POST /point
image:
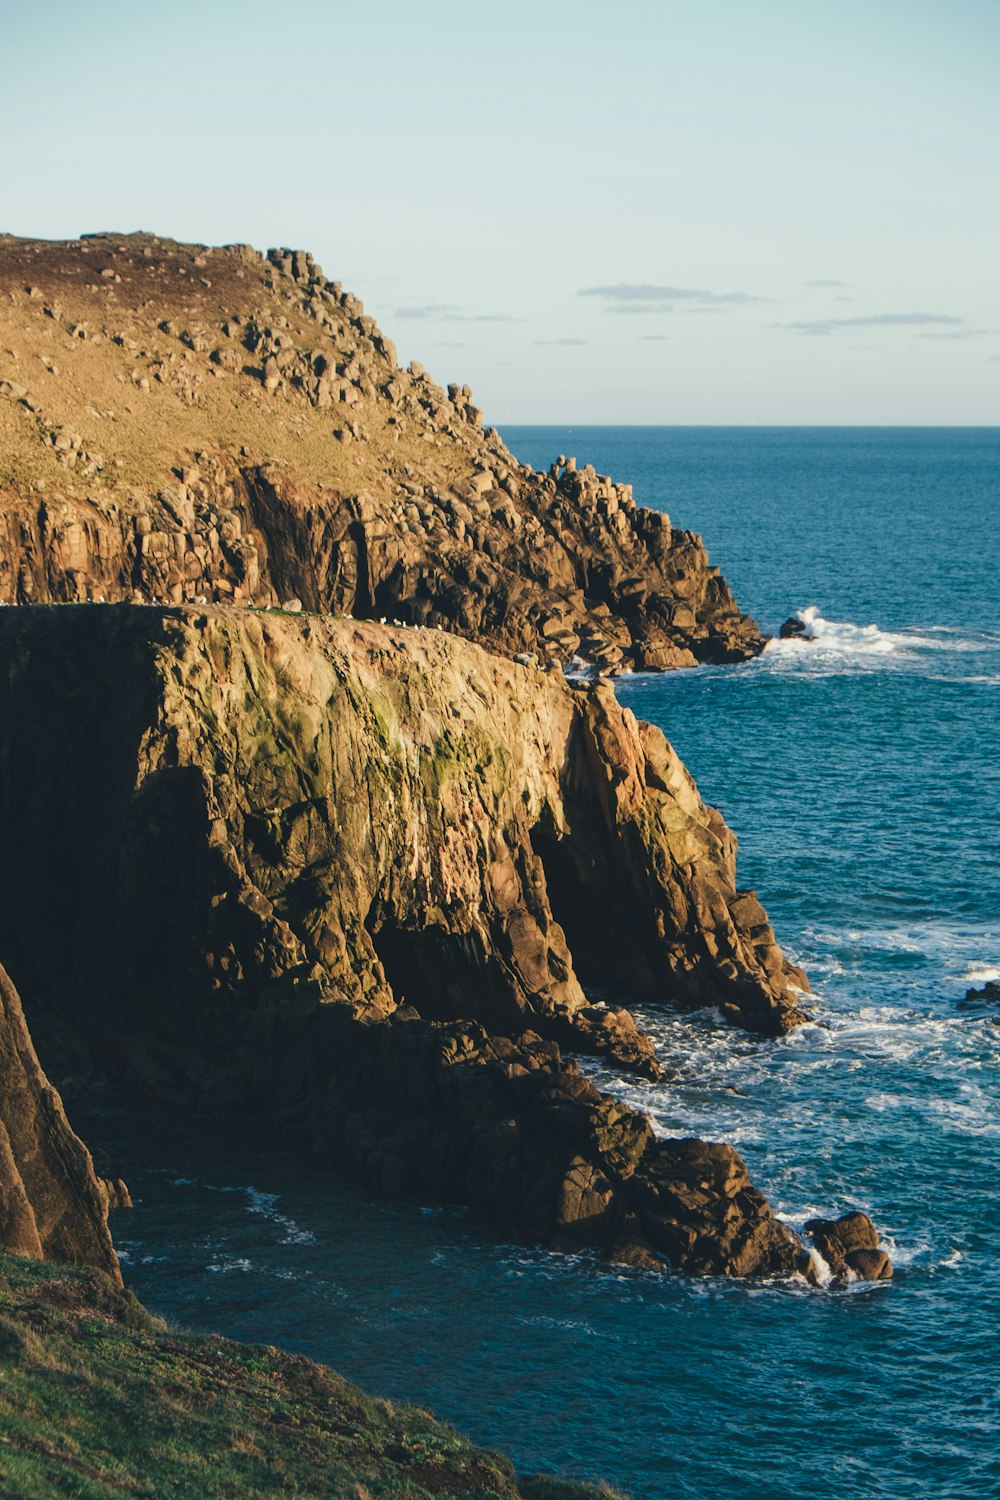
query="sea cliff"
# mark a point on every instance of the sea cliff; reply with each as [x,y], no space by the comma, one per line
[268,860]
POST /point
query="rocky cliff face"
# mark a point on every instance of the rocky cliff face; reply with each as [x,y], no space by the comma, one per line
[52,1204]
[227,808]
[230,826]
[181,424]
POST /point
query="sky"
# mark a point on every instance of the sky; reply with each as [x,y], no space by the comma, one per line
[735,211]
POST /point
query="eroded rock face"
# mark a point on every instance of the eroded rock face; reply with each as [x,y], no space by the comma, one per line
[52,1204]
[222,814]
[216,425]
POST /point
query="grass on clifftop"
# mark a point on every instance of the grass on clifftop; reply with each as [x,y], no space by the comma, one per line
[99,1399]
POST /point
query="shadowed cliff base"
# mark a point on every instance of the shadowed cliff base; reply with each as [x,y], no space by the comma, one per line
[183,424]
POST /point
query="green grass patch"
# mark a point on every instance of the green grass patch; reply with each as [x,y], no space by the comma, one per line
[99,1399]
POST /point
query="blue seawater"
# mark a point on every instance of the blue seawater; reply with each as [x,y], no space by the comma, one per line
[862,775]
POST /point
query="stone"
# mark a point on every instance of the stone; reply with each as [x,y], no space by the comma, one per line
[850,1244]
[794,629]
[989,995]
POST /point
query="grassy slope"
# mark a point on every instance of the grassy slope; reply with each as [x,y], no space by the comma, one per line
[99,1399]
[191,403]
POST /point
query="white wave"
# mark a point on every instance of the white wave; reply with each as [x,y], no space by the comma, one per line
[980,973]
[831,644]
[264,1204]
[230,1263]
[964,1119]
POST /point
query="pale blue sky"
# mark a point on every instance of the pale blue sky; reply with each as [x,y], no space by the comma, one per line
[732,211]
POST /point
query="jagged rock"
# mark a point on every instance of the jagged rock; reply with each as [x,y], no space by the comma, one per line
[794,629]
[570,546]
[504,1124]
[988,995]
[52,1205]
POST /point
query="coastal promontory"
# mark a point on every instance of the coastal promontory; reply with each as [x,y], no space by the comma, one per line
[180,424]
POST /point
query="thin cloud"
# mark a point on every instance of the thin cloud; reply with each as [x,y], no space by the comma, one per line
[654,338]
[442,313]
[427,310]
[644,297]
[824,281]
[960,333]
[820,327]
[561,343]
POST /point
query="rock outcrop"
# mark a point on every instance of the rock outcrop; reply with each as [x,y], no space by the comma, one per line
[237,831]
[988,996]
[181,424]
[52,1204]
[850,1247]
[506,1125]
[219,812]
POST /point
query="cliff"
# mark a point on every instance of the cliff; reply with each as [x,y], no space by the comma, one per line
[213,808]
[250,848]
[183,424]
[52,1204]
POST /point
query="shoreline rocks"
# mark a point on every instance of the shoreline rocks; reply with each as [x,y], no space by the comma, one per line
[53,1206]
[507,1126]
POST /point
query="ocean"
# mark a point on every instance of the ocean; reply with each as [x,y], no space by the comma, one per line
[861,773]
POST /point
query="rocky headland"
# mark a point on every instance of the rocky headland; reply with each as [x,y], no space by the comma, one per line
[183,424]
[255,846]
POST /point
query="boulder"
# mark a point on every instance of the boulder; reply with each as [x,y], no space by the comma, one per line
[850,1246]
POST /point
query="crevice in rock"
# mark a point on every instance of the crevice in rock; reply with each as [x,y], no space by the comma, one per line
[589,896]
[446,976]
